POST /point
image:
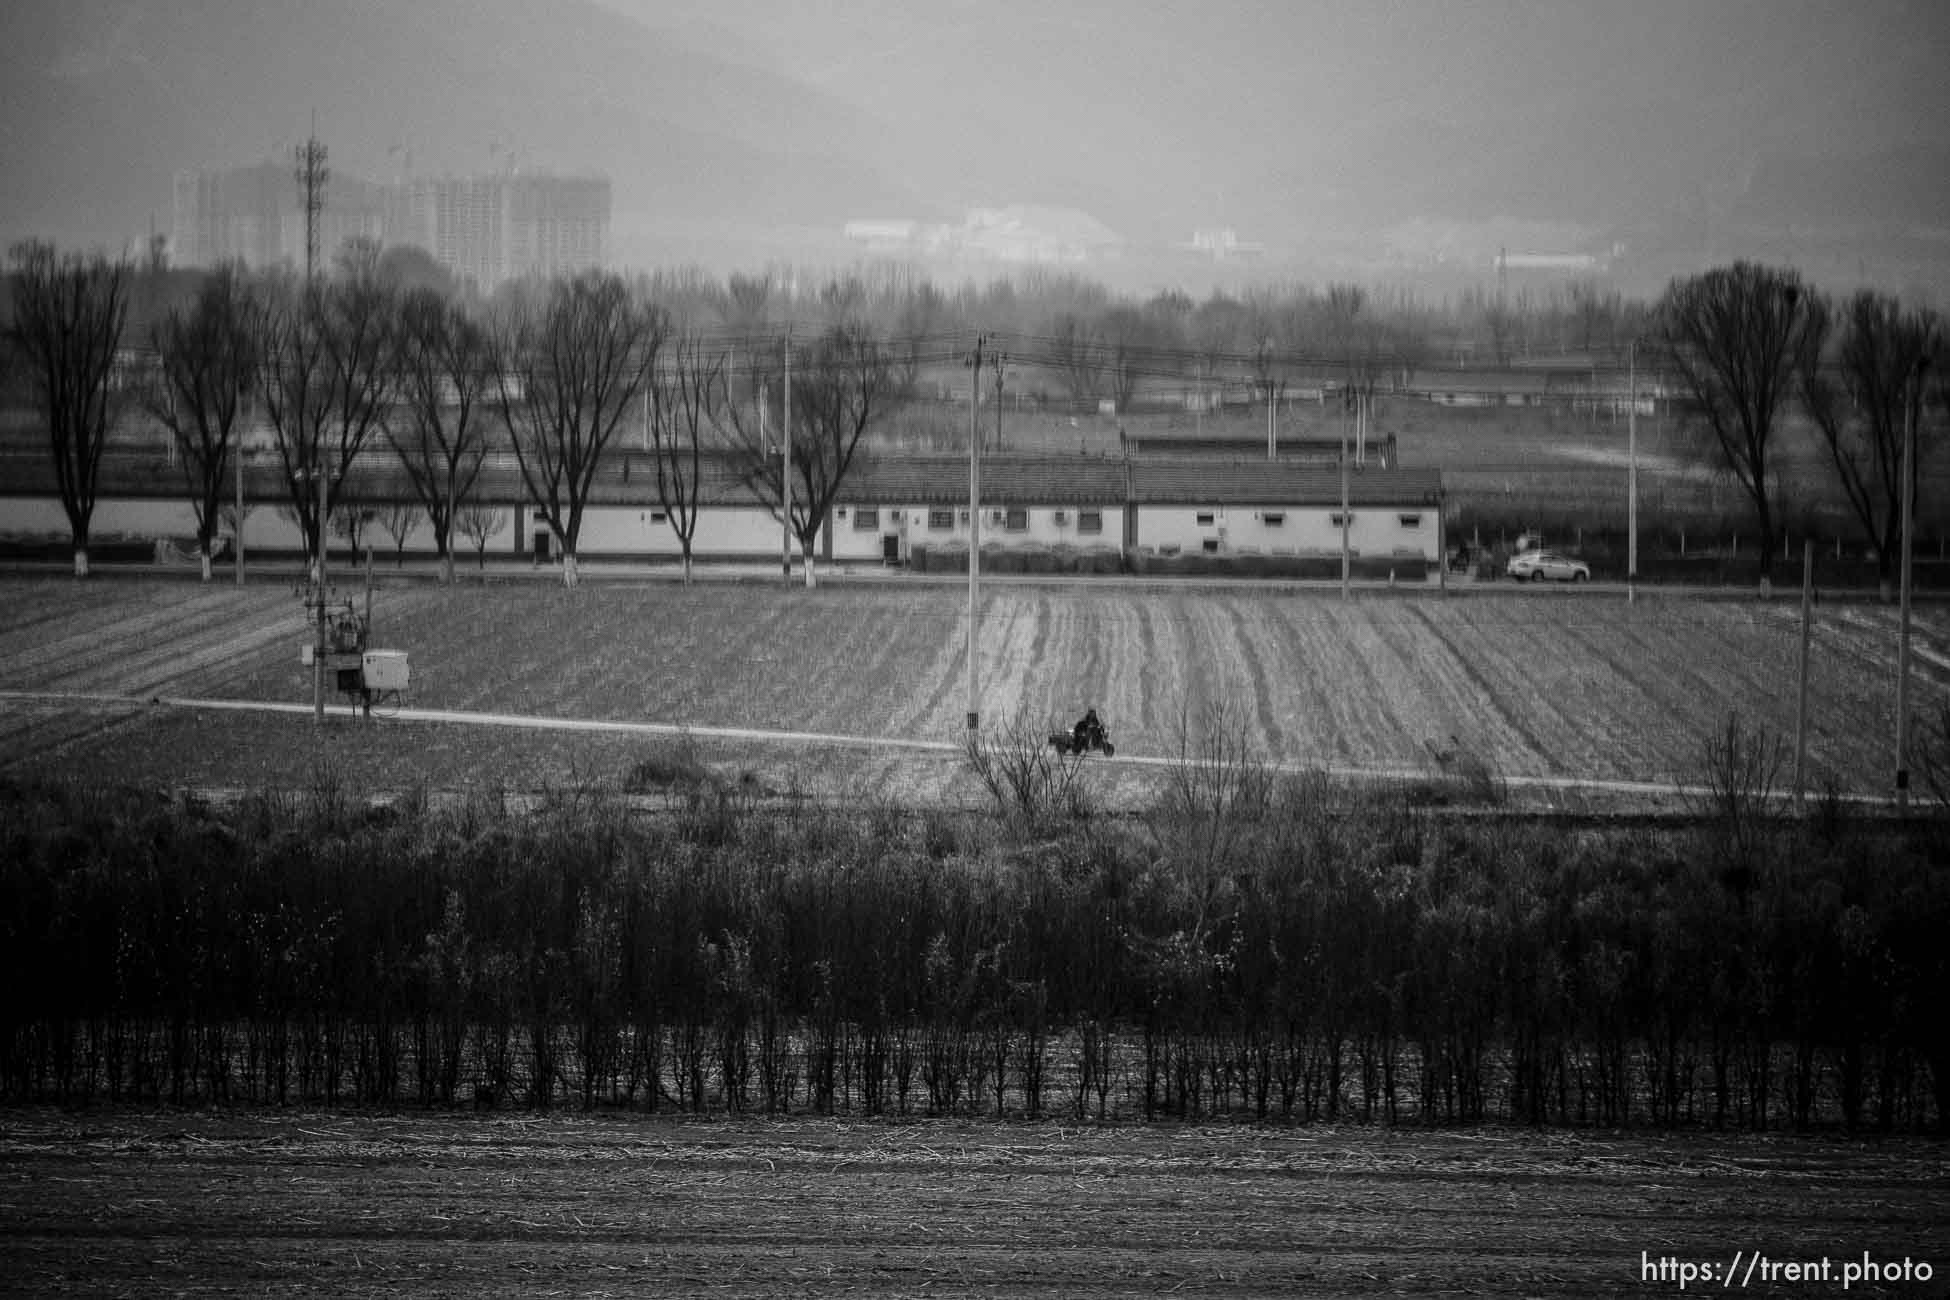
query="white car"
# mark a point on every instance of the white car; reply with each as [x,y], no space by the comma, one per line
[1536,565]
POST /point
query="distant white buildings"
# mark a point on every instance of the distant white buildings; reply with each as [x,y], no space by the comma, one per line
[1018,234]
[1223,245]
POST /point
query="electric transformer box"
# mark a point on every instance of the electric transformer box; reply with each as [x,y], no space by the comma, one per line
[384,670]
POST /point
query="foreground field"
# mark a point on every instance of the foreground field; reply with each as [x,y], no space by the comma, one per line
[358,1205]
[1544,686]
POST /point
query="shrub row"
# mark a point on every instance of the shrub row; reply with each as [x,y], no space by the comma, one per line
[1002,559]
[1319,961]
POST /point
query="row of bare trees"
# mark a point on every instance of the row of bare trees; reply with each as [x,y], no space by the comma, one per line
[370,358]
[358,362]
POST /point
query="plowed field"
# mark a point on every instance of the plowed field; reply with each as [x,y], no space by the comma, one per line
[1544,686]
[355,1205]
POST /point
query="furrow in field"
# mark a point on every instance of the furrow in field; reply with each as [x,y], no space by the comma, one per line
[46,662]
[1313,735]
[1467,705]
[1682,666]
[1231,678]
[1117,682]
[146,648]
[1264,662]
[1193,672]
[1412,709]
[1009,627]
[1152,643]
[926,708]
[1511,656]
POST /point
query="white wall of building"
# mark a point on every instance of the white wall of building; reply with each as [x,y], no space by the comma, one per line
[1273,529]
[751,531]
[1042,526]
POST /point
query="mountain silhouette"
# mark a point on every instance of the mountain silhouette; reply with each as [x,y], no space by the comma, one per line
[103,100]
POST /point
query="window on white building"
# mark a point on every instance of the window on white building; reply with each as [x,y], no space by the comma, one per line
[1206,518]
[1017,521]
[1274,518]
[941,521]
[1090,521]
[866,520]
[1409,521]
[1336,517]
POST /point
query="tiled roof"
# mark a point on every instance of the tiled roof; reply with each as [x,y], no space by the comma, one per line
[1380,447]
[1205,481]
[1018,480]
[629,478]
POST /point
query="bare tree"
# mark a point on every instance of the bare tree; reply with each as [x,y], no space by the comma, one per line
[68,316]
[1594,307]
[921,312]
[478,522]
[690,405]
[207,361]
[841,386]
[399,519]
[1501,323]
[1733,336]
[566,377]
[1358,341]
[327,388]
[350,520]
[1864,404]
[748,303]
[1076,357]
[441,361]
[1126,336]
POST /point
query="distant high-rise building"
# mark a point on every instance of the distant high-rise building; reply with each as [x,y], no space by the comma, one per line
[484,229]
[234,215]
[490,229]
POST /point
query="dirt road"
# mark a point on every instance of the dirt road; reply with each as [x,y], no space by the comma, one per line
[254,1203]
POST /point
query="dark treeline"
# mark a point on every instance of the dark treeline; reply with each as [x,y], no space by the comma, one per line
[1340,958]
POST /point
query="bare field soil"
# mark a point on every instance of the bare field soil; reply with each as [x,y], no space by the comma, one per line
[1541,685]
[256,1203]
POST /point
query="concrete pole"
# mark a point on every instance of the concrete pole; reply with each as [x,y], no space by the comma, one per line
[1902,643]
[1272,441]
[237,539]
[785,463]
[318,655]
[1632,476]
[974,542]
[1346,559]
[1801,695]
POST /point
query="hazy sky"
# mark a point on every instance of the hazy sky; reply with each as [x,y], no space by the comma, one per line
[1403,127]
[1215,95]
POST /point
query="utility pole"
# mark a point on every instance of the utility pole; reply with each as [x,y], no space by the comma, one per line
[1198,403]
[1272,440]
[312,173]
[784,472]
[1346,560]
[1000,359]
[1801,700]
[1912,396]
[974,540]
[318,656]
[237,534]
[1632,476]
